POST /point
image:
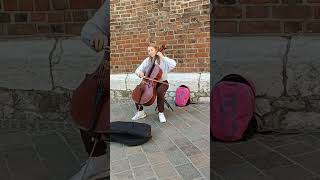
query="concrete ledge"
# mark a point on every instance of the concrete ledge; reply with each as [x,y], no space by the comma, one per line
[25,63]
[121,85]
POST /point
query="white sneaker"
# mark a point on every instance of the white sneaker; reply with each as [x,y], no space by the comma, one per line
[139,115]
[97,168]
[162,118]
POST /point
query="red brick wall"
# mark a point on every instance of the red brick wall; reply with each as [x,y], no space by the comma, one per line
[36,17]
[183,25]
[266,16]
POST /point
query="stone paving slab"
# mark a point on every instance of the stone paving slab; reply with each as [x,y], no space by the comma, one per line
[268,157]
[52,150]
[24,163]
[36,157]
[177,149]
[4,171]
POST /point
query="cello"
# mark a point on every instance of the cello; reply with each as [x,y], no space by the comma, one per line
[90,101]
[90,104]
[145,93]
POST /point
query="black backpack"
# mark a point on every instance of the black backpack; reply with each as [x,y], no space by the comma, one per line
[129,133]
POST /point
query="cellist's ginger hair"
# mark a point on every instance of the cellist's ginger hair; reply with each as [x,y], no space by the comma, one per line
[153,44]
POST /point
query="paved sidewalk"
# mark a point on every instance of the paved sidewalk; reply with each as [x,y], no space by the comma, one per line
[268,157]
[39,149]
[179,148]
[50,155]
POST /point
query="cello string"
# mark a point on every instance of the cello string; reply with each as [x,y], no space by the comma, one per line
[103,71]
[106,70]
[102,67]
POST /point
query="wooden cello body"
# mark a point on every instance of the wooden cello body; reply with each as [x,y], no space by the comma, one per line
[90,101]
[145,93]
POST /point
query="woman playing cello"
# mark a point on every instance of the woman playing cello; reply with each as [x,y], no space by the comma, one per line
[166,65]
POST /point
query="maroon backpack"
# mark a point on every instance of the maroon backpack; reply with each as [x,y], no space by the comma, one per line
[232,109]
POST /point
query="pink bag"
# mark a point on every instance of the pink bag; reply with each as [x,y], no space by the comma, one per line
[232,109]
[182,96]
